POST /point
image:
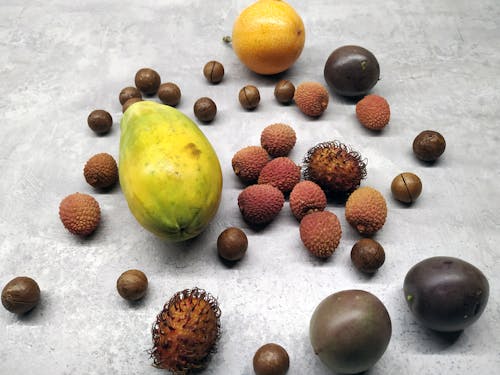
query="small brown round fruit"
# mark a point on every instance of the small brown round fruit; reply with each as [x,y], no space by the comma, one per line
[20,295]
[249,97]
[100,121]
[429,145]
[213,71]
[129,93]
[406,187]
[311,98]
[147,80]
[367,255]
[132,285]
[80,214]
[169,93]
[205,109]
[271,359]
[232,244]
[101,171]
[129,102]
[284,91]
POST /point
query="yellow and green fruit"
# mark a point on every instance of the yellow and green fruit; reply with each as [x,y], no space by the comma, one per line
[169,172]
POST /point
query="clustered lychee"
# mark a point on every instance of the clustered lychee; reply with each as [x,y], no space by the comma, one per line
[282,173]
[278,139]
[248,162]
[320,233]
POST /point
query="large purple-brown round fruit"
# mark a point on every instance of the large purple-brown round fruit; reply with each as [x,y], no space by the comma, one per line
[445,293]
[350,331]
[351,71]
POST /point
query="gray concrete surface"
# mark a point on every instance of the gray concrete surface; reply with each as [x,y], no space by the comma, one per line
[59,60]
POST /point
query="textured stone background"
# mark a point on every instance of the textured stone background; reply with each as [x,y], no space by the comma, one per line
[59,60]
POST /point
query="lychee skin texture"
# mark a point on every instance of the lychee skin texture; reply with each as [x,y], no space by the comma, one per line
[335,167]
[260,204]
[248,162]
[80,214]
[186,332]
[373,112]
[306,197]
[101,171]
[366,210]
[311,98]
[278,139]
[282,173]
[320,233]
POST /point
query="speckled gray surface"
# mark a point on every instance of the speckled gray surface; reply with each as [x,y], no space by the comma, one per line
[439,63]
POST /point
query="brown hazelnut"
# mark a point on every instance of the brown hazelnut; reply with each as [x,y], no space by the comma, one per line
[232,244]
[20,295]
[205,109]
[100,121]
[271,359]
[429,145]
[406,187]
[213,71]
[129,102]
[128,93]
[249,97]
[147,80]
[132,285]
[367,255]
[284,91]
[169,93]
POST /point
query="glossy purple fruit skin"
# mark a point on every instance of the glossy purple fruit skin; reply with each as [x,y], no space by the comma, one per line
[446,294]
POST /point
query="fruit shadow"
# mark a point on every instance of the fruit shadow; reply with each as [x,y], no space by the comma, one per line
[347,100]
[182,253]
[428,164]
[35,315]
[272,79]
[136,305]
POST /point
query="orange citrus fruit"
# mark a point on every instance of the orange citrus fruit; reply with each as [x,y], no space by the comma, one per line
[268,36]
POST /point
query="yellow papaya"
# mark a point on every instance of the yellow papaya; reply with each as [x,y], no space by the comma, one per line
[169,172]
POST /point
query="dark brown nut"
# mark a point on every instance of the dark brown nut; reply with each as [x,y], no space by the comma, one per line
[100,121]
[129,93]
[232,244]
[429,145]
[205,109]
[249,97]
[101,171]
[169,93]
[213,71]
[406,187]
[20,295]
[129,102]
[367,255]
[284,91]
[132,285]
[271,359]
[147,80]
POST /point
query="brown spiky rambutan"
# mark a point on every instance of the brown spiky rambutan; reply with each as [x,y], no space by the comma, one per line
[186,332]
[335,167]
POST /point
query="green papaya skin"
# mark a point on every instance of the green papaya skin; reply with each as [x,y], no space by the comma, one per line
[169,172]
